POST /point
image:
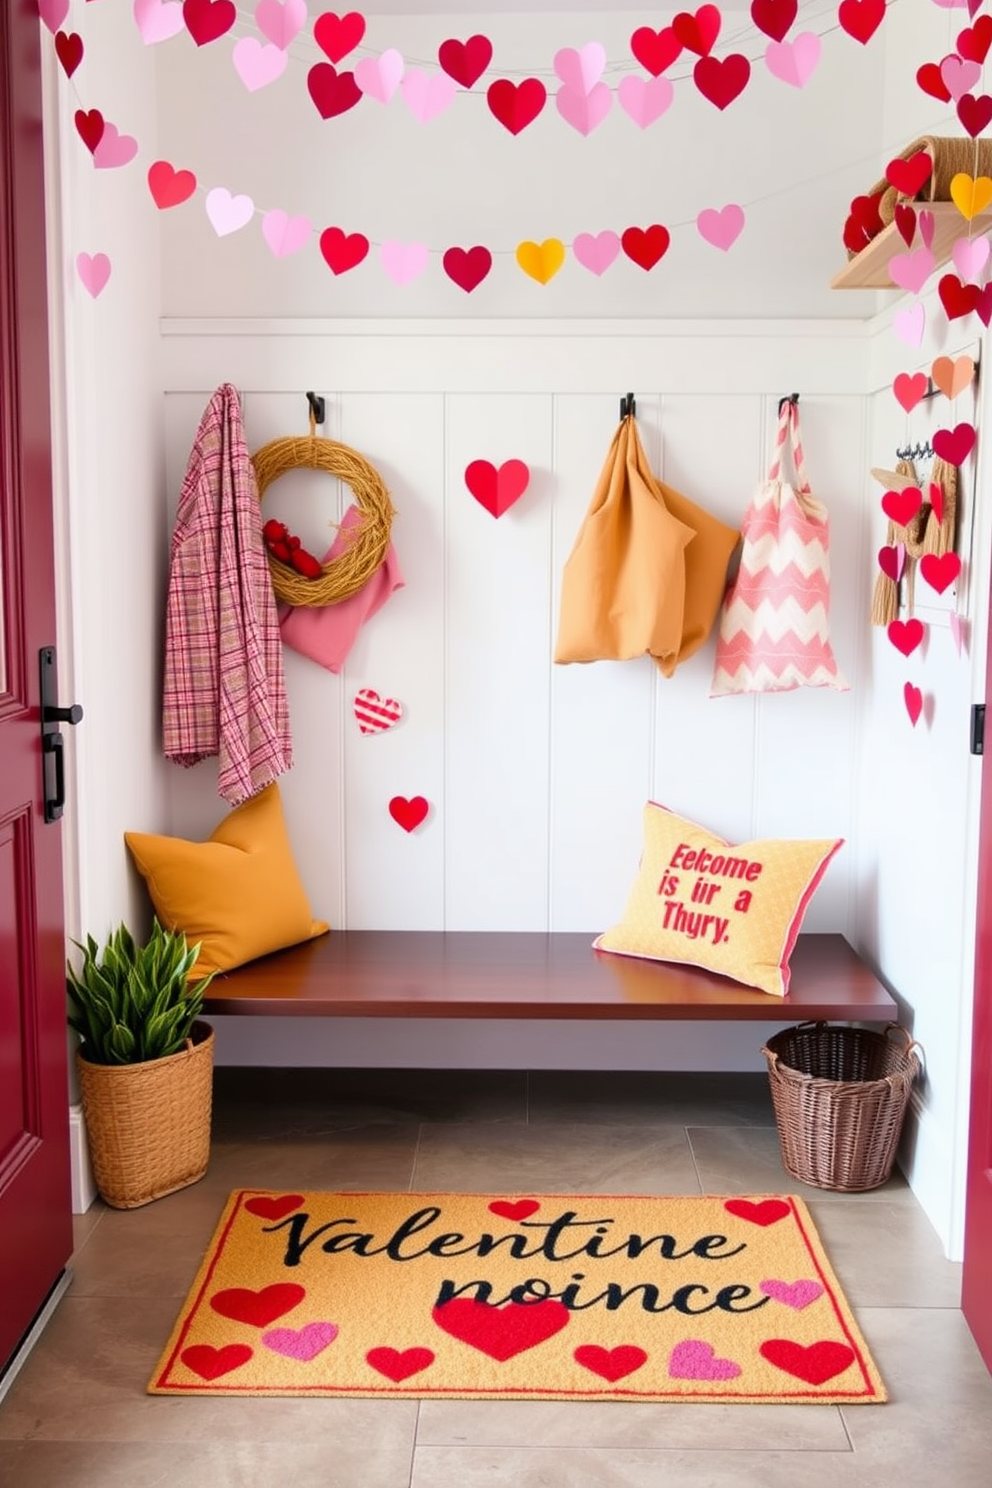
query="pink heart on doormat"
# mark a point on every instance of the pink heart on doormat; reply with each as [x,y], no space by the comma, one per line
[501,1332]
[497,490]
[520,1209]
[398,1365]
[764,1212]
[374,713]
[274,1208]
[210,1363]
[408,813]
[612,1364]
[797,1294]
[301,1343]
[259,1308]
[694,1359]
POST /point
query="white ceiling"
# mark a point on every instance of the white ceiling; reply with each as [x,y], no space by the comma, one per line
[527,7]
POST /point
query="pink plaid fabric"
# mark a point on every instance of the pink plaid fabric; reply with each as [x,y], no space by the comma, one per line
[224,691]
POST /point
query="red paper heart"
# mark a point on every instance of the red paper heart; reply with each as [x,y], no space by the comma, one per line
[521,1209]
[501,1332]
[497,490]
[343,251]
[332,92]
[910,389]
[975,113]
[275,1208]
[954,445]
[764,1212]
[260,1308]
[338,35]
[864,222]
[612,1364]
[465,61]
[901,506]
[655,50]
[774,17]
[905,635]
[210,1363]
[206,20]
[398,1365]
[646,246]
[890,561]
[931,80]
[913,698]
[861,18]
[721,80]
[69,50]
[974,41]
[89,126]
[467,267]
[908,176]
[698,33]
[169,187]
[516,105]
[936,495]
[940,572]
[906,223]
[958,299]
[815,1362]
[984,306]
[408,813]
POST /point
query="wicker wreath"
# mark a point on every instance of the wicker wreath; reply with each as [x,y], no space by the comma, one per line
[367,544]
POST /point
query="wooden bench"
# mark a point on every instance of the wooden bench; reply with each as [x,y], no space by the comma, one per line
[525,975]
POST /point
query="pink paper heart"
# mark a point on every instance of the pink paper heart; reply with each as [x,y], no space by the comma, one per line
[158,21]
[285,234]
[228,213]
[645,99]
[403,261]
[427,94]
[581,70]
[584,111]
[912,270]
[379,77]
[721,228]
[93,271]
[303,1343]
[957,631]
[797,1294]
[794,61]
[53,13]
[281,23]
[913,698]
[596,251]
[258,65]
[959,75]
[114,148]
[693,1359]
[926,222]
[910,324]
[970,256]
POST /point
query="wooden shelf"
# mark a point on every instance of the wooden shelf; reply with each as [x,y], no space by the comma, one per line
[869,269]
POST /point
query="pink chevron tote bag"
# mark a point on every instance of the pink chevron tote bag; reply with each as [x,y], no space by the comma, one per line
[774,625]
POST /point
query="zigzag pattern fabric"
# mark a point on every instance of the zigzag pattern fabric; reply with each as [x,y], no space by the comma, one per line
[774,631]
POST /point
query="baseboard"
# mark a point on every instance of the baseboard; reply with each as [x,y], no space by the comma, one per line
[83,1186]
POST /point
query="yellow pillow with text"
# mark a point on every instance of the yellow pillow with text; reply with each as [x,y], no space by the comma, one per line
[733,909]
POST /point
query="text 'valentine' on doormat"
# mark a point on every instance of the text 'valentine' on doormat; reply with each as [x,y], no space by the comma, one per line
[495,1296]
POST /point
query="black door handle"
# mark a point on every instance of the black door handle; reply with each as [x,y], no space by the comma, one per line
[52,743]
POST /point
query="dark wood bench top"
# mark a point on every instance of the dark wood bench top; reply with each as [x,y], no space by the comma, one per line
[506,974]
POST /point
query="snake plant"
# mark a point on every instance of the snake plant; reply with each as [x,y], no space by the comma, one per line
[134,1003]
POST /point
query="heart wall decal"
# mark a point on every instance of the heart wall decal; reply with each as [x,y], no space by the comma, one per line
[409,813]
[497,490]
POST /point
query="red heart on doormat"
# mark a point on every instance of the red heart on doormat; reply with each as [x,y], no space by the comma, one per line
[497,490]
[504,1331]
[815,1363]
[397,1364]
[902,506]
[408,814]
[522,1209]
[613,1363]
[210,1363]
[169,187]
[722,79]
[905,635]
[516,105]
[467,267]
[765,1212]
[940,572]
[258,1308]
[274,1208]
[646,246]
[332,92]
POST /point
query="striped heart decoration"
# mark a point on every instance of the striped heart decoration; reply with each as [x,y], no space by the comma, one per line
[376,714]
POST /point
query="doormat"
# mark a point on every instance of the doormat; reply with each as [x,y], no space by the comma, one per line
[510,1297]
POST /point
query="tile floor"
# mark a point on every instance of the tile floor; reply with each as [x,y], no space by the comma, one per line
[77,1415]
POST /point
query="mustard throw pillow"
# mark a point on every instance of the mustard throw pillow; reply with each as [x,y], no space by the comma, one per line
[238,893]
[732,909]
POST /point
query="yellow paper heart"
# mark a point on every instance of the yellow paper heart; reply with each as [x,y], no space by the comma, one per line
[950,376]
[541,260]
[971,195]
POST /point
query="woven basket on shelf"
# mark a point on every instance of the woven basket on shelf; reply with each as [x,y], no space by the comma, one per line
[950,156]
[840,1096]
[148,1124]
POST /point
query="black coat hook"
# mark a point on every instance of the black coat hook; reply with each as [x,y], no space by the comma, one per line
[792,398]
[627,406]
[316,407]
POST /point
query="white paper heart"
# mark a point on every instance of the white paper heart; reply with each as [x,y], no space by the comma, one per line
[258,65]
[228,213]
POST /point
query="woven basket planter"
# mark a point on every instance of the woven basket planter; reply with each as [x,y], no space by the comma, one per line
[148,1125]
[840,1096]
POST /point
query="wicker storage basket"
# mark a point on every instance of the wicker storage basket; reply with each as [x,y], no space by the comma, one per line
[840,1096]
[148,1125]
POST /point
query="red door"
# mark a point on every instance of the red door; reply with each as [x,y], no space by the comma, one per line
[35,1199]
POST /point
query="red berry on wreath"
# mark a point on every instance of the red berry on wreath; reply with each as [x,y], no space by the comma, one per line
[306,564]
